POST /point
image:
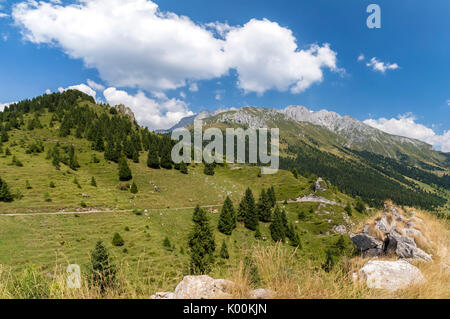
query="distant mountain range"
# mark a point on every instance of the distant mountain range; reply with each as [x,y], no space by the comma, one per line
[349,132]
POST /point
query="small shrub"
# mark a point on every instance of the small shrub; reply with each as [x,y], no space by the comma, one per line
[52,185]
[167,244]
[127,228]
[93,182]
[117,240]
[28,185]
[83,204]
[47,197]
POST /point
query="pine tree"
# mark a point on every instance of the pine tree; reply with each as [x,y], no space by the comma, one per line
[135,156]
[117,240]
[329,261]
[4,136]
[152,159]
[7,152]
[167,244]
[295,173]
[99,145]
[134,188]
[224,251]
[103,271]
[183,168]
[272,197]
[248,210]
[110,152]
[227,219]
[93,182]
[201,243]
[258,233]
[73,161]
[264,209]
[124,170]
[166,157]
[5,193]
[277,229]
[209,169]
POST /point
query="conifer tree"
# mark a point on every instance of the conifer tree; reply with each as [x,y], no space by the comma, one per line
[224,251]
[124,170]
[99,146]
[134,188]
[209,169]
[183,168]
[258,233]
[295,173]
[73,161]
[277,229]
[4,136]
[250,212]
[93,182]
[329,261]
[201,242]
[264,207]
[135,156]
[103,271]
[227,219]
[272,197]
[117,240]
[166,157]
[110,152]
[5,193]
[152,159]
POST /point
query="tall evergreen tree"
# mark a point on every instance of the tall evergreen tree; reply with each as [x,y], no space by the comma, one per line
[264,207]
[98,144]
[277,228]
[248,211]
[272,197]
[152,159]
[103,271]
[224,251]
[5,193]
[227,219]
[201,242]
[183,168]
[4,135]
[166,157]
[124,170]
[110,152]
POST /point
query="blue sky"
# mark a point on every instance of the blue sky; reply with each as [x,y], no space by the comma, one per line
[38,53]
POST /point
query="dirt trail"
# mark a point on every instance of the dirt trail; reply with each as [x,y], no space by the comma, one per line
[102,211]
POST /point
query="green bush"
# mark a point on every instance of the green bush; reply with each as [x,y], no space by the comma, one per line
[117,240]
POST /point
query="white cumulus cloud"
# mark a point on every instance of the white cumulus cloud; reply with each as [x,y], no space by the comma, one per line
[380,66]
[149,112]
[95,86]
[3,105]
[406,125]
[266,57]
[132,43]
[80,87]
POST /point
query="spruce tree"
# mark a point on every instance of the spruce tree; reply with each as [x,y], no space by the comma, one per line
[134,188]
[227,219]
[224,251]
[152,159]
[183,168]
[93,182]
[272,197]
[295,173]
[103,271]
[99,145]
[209,169]
[124,170]
[264,207]
[201,242]
[166,157]
[277,229]
[329,261]
[110,152]
[251,213]
[5,193]
[117,240]
[4,136]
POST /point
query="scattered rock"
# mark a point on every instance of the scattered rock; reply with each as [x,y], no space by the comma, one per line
[390,275]
[405,247]
[261,294]
[365,242]
[202,287]
[163,295]
[340,229]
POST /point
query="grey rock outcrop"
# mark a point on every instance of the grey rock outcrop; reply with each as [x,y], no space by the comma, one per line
[390,275]
[392,234]
[198,287]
